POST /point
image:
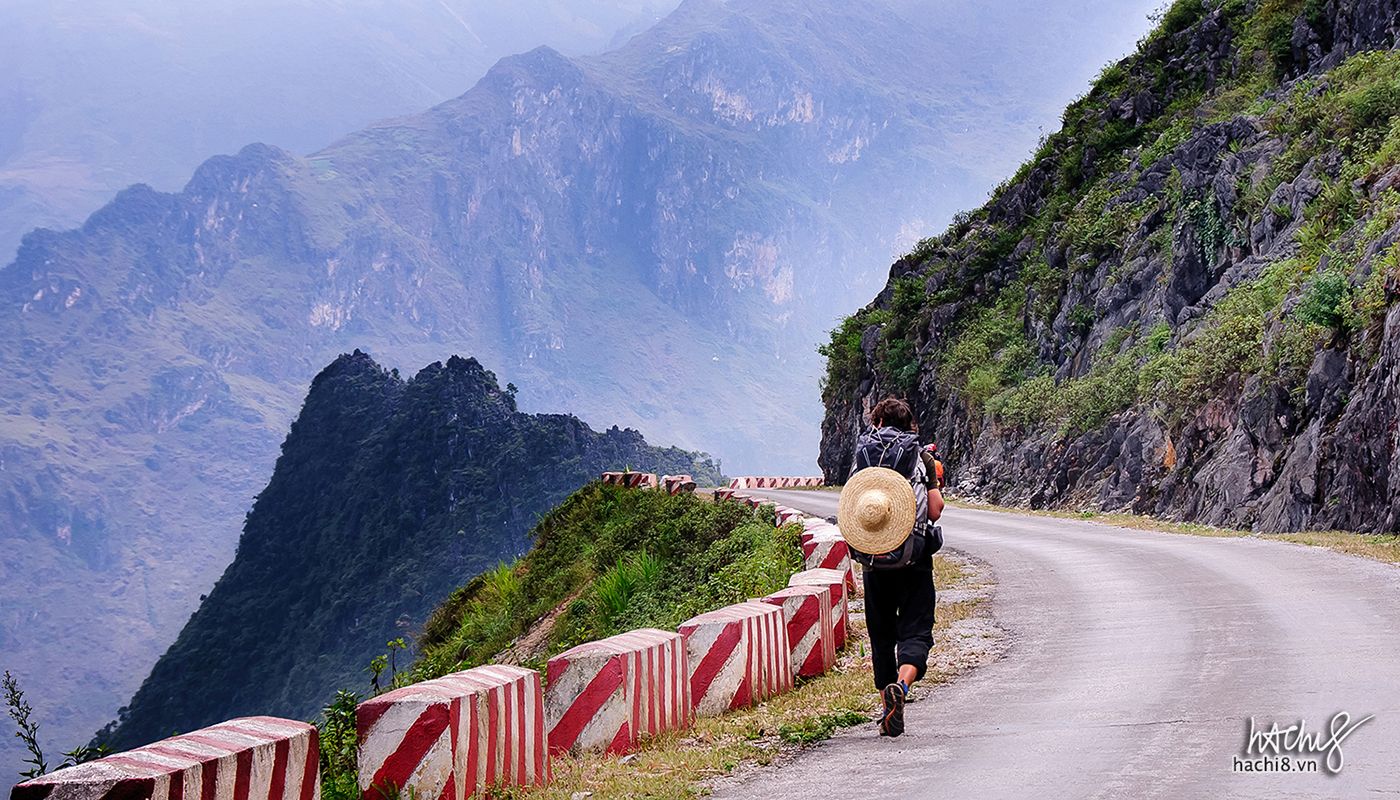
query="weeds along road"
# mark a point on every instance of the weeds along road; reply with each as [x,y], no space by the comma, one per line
[1135,662]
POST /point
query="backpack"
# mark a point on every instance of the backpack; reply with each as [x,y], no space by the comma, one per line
[899,451]
[934,467]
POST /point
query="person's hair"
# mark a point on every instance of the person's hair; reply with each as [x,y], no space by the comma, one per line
[892,413]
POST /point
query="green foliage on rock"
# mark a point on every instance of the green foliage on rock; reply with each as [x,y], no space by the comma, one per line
[606,561]
[991,353]
[1120,377]
[842,351]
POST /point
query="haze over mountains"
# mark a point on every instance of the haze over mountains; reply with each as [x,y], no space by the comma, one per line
[96,95]
[655,237]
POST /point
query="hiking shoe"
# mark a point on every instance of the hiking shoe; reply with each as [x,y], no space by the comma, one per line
[892,720]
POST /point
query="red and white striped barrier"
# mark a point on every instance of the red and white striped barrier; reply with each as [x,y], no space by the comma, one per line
[788,515]
[739,656]
[447,738]
[827,550]
[836,582]
[631,480]
[678,484]
[607,695]
[771,482]
[807,614]
[724,494]
[254,758]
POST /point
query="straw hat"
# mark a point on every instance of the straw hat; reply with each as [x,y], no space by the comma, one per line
[877,510]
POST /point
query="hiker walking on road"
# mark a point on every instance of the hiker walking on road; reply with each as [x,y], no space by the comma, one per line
[886,515]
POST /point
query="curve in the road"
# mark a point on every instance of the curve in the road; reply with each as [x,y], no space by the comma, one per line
[1137,659]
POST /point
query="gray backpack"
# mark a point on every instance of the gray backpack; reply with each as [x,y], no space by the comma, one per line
[899,450]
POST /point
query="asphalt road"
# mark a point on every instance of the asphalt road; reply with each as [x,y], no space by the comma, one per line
[1135,663]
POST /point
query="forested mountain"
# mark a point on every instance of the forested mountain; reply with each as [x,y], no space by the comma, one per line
[389,494]
[654,237]
[1185,303]
[96,95]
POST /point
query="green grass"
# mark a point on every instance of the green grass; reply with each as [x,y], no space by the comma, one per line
[819,727]
[622,560]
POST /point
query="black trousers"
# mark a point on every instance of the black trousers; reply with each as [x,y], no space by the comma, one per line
[899,614]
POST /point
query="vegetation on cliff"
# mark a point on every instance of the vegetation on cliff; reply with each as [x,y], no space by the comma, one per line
[1181,303]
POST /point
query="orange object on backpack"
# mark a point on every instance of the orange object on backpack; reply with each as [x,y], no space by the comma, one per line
[932,466]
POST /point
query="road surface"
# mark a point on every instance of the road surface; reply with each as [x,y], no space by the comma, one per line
[1136,660]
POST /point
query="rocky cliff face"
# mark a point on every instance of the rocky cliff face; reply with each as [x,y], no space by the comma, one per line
[1184,304]
[389,493]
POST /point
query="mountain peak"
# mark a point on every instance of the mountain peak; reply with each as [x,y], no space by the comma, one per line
[353,364]
[541,63]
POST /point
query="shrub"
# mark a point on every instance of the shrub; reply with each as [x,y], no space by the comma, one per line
[1369,301]
[1292,352]
[1112,384]
[1027,405]
[898,353]
[844,359]
[991,352]
[1268,35]
[339,749]
[1323,302]
[1081,319]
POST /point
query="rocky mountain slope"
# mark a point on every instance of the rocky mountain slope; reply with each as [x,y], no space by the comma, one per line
[389,494]
[654,237]
[96,95]
[1184,304]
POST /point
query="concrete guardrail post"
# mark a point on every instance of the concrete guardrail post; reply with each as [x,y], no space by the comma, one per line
[607,695]
[807,614]
[453,736]
[253,758]
[739,656]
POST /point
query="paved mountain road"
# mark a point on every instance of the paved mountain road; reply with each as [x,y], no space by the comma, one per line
[1135,660]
